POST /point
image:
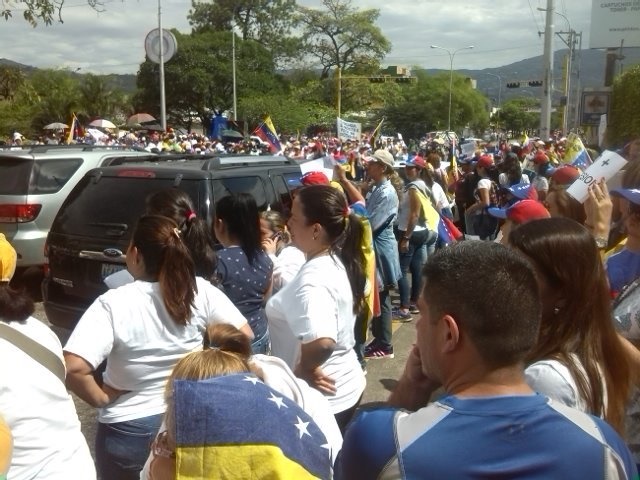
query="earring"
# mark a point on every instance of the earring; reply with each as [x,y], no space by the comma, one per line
[556,310]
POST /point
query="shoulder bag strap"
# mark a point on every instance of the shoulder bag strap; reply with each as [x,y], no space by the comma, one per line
[39,353]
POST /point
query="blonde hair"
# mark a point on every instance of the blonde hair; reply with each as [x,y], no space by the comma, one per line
[226,351]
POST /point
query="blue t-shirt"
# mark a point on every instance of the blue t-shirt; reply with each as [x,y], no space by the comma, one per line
[246,284]
[622,269]
[525,437]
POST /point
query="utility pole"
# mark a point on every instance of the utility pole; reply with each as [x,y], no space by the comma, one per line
[339,90]
[547,95]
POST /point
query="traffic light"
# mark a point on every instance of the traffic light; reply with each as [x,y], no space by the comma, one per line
[513,84]
[377,79]
[535,83]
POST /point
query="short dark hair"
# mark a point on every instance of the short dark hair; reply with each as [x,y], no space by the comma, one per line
[491,292]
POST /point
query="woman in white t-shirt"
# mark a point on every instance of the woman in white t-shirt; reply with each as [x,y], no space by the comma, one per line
[142,329]
[578,359]
[311,319]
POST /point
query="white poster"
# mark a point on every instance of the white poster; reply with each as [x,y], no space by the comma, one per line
[614,21]
[349,130]
[606,166]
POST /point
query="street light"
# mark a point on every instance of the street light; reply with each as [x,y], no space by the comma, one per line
[499,89]
[451,55]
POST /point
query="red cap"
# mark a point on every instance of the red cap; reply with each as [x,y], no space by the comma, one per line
[522,211]
[540,157]
[485,161]
[416,161]
[314,178]
[565,175]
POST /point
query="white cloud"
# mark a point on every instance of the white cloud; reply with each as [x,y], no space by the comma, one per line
[502,32]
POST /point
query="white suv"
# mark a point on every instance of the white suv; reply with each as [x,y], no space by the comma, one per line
[33,184]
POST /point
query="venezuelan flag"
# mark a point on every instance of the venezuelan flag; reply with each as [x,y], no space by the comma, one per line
[267,132]
[575,153]
[234,426]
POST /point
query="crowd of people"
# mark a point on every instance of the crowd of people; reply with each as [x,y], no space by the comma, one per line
[239,349]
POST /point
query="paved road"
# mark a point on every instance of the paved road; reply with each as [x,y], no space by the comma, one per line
[381,374]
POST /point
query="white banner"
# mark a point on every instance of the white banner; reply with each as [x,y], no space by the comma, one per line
[602,128]
[349,130]
[606,166]
[614,21]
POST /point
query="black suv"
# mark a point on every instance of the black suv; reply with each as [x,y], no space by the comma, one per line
[89,237]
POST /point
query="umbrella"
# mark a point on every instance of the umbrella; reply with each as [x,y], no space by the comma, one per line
[56,126]
[231,134]
[140,118]
[100,123]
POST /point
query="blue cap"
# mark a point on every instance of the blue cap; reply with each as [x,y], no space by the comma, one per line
[523,191]
[631,194]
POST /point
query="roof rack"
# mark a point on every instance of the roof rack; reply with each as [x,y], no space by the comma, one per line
[245,160]
[78,146]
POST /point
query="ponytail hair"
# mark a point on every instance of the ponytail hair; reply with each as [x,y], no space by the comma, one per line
[327,206]
[167,258]
[239,212]
[177,205]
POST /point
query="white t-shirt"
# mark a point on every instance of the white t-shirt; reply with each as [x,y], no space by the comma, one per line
[439,196]
[553,379]
[503,179]
[318,303]
[404,209]
[286,266]
[47,441]
[131,328]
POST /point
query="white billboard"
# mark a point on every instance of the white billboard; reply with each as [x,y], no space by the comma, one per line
[614,21]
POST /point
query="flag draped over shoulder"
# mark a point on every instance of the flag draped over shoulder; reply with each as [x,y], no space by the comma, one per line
[267,132]
[575,153]
[447,231]
[235,426]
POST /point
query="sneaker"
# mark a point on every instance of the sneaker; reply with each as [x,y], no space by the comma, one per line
[378,353]
[401,316]
[414,308]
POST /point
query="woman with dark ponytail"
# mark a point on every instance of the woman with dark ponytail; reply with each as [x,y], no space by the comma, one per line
[142,329]
[311,319]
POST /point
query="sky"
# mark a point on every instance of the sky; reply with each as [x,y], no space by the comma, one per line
[112,41]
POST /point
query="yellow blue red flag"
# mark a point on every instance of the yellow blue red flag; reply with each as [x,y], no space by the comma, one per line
[267,132]
[575,153]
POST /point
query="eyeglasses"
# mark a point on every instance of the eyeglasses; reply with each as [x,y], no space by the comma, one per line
[160,447]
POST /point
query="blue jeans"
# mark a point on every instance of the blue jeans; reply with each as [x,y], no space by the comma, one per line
[412,262]
[122,448]
[261,345]
[381,325]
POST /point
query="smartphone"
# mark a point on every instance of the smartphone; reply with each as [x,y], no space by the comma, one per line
[276,236]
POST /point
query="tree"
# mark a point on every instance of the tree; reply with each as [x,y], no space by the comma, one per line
[56,93]
[35,11]
[343,37]
[98,100]
[198,79]
[268,22]
[424,106]
[518,115]
[11,79]
[624,121]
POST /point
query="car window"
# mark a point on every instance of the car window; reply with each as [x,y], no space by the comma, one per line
[49,176]
[248,184]
[111,206]
[14,175]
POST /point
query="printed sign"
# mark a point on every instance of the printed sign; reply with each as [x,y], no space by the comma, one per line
[594,105]
[349,130]
[606,166]
[615,21]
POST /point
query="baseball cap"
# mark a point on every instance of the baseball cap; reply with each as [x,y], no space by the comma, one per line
[383,156]
[8,259]
[485,161]
[540,157]
[565,175]
[416,161]
[314,178]
[521,212]
[631,194]
[523,191]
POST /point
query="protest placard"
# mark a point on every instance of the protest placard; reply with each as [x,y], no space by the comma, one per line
[606,166]
[349,130]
